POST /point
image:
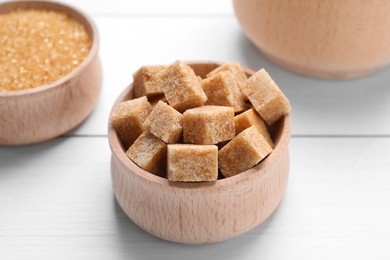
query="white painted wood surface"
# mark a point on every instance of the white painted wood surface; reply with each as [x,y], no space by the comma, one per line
[57,203]
[56,200]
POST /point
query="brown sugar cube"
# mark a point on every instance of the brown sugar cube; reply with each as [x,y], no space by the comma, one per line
[246,107]
[222,90]
[236,69]
[243,152]
[149,153]
[251,118]
[192,163]
[128,119]
[146,81]
[208,125]
[266,97]
[222,144]
[165,123]
[182,88]
[154,100]
[233,67]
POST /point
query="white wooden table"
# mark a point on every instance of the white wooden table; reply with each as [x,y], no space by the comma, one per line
[56,199]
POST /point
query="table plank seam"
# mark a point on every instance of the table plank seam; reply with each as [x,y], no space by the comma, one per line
[161,15]
[340,136]
[292,136]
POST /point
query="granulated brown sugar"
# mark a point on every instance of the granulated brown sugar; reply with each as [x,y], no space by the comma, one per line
[38,47]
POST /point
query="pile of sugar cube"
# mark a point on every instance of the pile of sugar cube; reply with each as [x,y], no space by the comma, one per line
[188,128]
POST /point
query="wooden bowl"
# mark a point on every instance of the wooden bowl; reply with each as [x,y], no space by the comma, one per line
[195,213]
[321,38]
[44,112]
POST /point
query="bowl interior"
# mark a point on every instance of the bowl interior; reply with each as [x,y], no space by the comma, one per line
[279,131]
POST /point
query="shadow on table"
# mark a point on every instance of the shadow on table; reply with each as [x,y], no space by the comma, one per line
[328,106]
[25,155]
[134,243]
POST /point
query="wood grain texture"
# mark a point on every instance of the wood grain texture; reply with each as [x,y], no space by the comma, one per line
[329,39]
[197,213]
[38,114]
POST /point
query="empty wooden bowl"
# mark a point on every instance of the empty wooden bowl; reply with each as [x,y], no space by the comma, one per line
[195,213]
[44,112]
[321,38]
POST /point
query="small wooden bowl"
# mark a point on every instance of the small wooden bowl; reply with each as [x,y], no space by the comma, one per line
[44,112]
[196,213]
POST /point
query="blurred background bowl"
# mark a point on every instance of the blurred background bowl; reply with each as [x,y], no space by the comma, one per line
[321,38]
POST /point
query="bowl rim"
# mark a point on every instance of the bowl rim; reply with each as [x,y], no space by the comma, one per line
[117,150]
[88,22]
